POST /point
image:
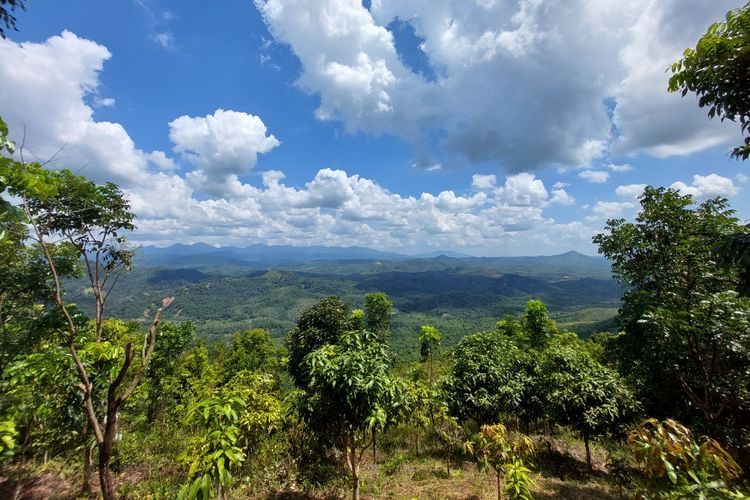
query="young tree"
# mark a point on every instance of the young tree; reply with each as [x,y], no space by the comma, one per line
[487,379]
[319,324]
[429,343]
[582,393]
[351,394]
[537,323]
[495,448]
[718,71]
[378,314]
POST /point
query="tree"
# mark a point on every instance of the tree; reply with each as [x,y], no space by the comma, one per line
[429,342]
[319,324]
[252,350]
[378,314]
[7,17]
[486,380]
[351,394]
[582,393]
[495,448]
[231,421]
[173,341]
[61,207]
[718,71]
[686,342]
[539,327]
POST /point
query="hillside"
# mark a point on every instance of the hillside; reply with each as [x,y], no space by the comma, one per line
[225,290]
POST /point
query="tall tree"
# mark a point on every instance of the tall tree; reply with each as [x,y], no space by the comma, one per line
[717,70]
[685,342]
[62,208]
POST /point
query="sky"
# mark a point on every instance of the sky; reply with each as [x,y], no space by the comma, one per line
[488,127]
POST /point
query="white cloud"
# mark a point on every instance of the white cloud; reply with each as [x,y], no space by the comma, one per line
[561,197]
[103,102]
[522,83]
[165,39]
[708,186]
[630,190]
[221,145]
[741,178]
[648,117]
[619,168]
[594,176]
[521,190]
[560,185]
[45,88]
[479,181]
[608,210]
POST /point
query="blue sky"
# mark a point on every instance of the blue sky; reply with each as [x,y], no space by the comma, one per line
[498,127]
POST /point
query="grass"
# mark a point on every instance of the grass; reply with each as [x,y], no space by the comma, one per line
[560,472]
[398,473]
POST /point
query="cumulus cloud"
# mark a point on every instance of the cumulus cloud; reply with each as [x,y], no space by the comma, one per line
[226,142]
[45,87]
[649,118]
[608,210]
[479,181]
[630,190]
[561,197]
[221,146]
[523,83]
[594,176]
[708,186]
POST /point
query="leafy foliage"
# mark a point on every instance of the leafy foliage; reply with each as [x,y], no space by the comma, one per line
[378,314]
[351,394]
[215,452]
[718,71]
[487,379]
[8,435]
[429,341]
[320,324]
[7,18]
[686,341]
[583,393]
[677,464]
[493,447]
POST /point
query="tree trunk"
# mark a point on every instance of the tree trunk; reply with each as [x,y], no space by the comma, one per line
[105,454]
[497,475]
[88,469]
[355,481]
[588,450]
[374,447]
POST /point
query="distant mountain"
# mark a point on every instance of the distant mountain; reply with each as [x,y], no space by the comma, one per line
[345,260]
[254,256]
[441,253]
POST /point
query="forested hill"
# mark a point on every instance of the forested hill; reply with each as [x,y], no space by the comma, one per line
[227,290]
